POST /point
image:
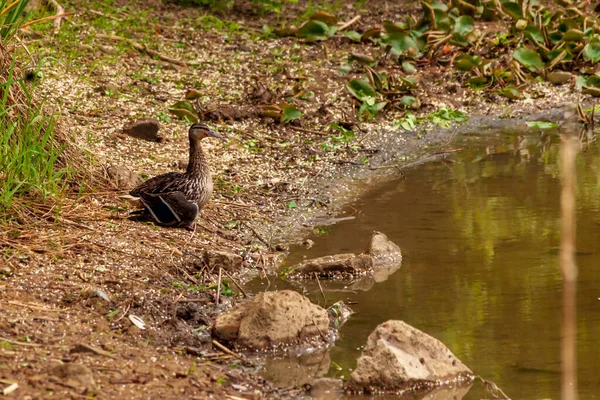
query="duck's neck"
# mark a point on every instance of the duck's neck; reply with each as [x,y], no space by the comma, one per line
[197,164]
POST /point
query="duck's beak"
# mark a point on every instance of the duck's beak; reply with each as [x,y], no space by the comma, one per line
[215,134]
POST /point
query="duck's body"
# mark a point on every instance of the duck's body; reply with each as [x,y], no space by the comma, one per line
[167,209]
[164,196]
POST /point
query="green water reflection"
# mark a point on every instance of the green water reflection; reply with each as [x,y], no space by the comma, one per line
[480,236]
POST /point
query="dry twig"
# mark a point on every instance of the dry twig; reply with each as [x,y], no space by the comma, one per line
[17,343]
[60,12]
[349,23]
[219,287]
[236,284]
[320,287]
[143,49]
[226,350]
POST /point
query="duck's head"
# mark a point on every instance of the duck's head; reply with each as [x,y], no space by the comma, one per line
[199,131]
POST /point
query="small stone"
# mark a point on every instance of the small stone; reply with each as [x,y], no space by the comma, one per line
[282,247]
[228,261]
[75,376]
[123,177]
[109,89]
[144,128]
[559,77]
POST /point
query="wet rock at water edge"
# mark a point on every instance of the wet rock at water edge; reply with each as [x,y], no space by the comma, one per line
[381,258]
[144,128]
[344,265]
[272,320]
[399,358]
[230,262]
[383,250]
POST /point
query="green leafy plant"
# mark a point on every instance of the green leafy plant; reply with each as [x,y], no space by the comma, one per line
[363,91]
[345,135]
[542,125]
[445,116]
[289,113]
[408,122]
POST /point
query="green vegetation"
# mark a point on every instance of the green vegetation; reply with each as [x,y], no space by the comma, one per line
[11,17]
[29,155]
[30,150]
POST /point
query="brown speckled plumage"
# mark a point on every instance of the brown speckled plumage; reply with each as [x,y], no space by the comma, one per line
[195,183]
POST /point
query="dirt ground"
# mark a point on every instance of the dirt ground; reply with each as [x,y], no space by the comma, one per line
[68,289]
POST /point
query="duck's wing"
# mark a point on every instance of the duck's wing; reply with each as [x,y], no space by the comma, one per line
[170,209]
[165,183]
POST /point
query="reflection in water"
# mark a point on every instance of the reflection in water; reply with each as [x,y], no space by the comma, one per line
[480,237]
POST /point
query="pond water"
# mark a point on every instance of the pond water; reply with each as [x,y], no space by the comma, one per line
[479,234]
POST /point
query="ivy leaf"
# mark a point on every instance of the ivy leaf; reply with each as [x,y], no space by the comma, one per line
[529,58]
[361,89]
[464,25]
[402,43]
[534,33]
[409,67]
[466,62]
[352,35]
[314,30]
[591,51]
[511,93]
[290,112]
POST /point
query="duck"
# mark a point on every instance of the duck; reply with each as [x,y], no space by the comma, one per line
[175,199]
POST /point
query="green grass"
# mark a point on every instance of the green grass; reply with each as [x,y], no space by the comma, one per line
[29,154]
[11,17]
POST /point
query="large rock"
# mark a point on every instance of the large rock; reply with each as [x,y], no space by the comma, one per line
[273,319]
[400,357]
[144,128]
